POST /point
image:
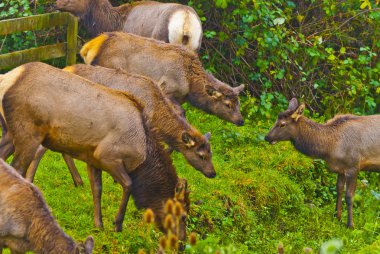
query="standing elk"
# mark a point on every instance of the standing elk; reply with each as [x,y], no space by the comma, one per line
[26,223]
[178,71]
[168,22]
[348,144]
[75,116]
[162,118]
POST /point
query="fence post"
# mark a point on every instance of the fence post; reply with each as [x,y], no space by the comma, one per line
[72,30]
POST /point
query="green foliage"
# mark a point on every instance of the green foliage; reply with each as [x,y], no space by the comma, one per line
[325,52]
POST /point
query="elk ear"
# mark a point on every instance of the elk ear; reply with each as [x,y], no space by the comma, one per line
[239,89]
[299,112]
[89,244]
[293,105]
[213,92]
[207,136]
[188,140]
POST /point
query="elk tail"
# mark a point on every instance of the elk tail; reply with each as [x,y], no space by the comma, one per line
[185,28]
[91,49]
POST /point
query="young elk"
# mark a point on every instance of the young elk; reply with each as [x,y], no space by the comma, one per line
[348,144]
[178,71]
[168,22]
[26,223]
[75,116]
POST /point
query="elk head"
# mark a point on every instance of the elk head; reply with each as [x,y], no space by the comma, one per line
[286,124]
[224,102]
[78,7]
[197,151]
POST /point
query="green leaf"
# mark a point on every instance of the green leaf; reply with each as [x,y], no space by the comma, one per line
[278,21]
[331,57]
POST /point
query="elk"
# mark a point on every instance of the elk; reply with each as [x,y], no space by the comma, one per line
[348,143]
[162,118]
[26,223]
[178,71]
[168,22]
[72,115]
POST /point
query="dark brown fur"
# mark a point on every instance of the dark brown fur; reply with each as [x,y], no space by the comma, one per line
[26,223]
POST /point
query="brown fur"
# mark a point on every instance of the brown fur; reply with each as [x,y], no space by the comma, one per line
[178,71]
[145,18]
[348,144]
[60,112]
[155,182]
[26,224]
[162,118]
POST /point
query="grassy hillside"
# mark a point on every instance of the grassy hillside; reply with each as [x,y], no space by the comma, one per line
[261,196]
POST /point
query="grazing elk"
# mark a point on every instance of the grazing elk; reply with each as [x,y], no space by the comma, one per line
[348,144]
[162,119]
[178,71]
[26,223]
[168,22]
[75,116]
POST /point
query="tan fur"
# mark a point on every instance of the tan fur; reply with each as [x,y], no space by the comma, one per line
[162,118]
[146,18]
[178,71]
[72,115]
[26,224]
[348,144]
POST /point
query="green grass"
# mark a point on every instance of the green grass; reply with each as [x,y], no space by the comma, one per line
[261,196]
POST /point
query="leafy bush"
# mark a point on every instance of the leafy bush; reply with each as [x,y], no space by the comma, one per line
[325,52]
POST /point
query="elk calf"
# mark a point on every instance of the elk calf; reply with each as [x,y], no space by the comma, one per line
[26,223]
[168,22]
[178,71]
[348,144]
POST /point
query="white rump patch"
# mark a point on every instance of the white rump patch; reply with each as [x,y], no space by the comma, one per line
[184,23]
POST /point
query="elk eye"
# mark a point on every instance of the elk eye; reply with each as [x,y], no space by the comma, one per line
[202,156]
[282,125]
[228,104]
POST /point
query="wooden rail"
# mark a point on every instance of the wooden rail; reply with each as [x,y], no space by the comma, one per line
[38,22]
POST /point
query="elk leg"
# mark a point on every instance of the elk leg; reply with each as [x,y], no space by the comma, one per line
[24,154]
[6,146]
[350,191]
[31,172]
[126,182]
[73,170]
[341,180]
[95,176]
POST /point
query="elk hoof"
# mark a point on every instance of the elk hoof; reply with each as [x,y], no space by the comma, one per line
[118,226]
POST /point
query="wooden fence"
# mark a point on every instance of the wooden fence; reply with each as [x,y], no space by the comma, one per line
[38,22]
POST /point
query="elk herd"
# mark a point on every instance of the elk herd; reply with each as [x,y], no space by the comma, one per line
[114,112]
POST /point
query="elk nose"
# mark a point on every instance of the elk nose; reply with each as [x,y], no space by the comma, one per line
[211,175]
[266,138]
[240,122]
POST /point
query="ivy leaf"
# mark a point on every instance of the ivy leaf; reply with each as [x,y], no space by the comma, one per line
[221,3]
[331,57]
[278,21]
[365,4]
